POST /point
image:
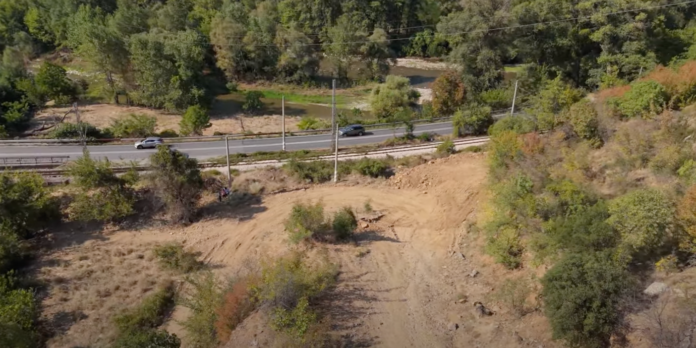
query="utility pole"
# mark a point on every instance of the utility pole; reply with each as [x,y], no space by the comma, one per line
[512,113]
[334,127]
[283,120]
[227,151]
[82,128]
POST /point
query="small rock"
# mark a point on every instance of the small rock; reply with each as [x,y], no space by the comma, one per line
[461,300]
[656,288]
[473,273]
[425,192]
[459,255]
[364,224]
[453,326]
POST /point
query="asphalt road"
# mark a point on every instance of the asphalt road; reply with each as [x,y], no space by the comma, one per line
[209,149]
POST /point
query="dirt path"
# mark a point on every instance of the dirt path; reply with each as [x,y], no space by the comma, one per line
[399,286]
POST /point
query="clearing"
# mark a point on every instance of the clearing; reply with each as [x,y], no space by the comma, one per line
[404,283]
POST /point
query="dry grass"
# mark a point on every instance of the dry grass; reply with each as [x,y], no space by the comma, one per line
[88,284]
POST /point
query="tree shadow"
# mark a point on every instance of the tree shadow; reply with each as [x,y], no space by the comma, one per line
[62,321]
[238,205]
[373,236]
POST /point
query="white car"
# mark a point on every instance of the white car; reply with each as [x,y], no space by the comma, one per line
[148,143]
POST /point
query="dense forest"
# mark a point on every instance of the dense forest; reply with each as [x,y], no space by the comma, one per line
[177,53]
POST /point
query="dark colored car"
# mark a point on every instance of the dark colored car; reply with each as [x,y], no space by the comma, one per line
[351,130]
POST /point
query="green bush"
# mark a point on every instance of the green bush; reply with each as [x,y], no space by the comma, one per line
[391,97]
[583,118]
[137,327]
[147,338]
[194,121]
[306,221]
[581,294]
[643,218]
[314,171]
[25,204]
[290,286]
[168,133]
[18,312]
[503,148]
[474,120]
[371,167]
[644,99]
[500,98]
[103,196]
[75,131]
[446,148]
[506,248]
[344,223]
[134,126]
[555,98]
[203,296]
[516,124]
[252,101]
[173,256]
[309,123]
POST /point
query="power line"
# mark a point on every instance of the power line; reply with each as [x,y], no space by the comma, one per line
[519,26]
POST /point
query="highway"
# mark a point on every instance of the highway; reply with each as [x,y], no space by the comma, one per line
[209,149]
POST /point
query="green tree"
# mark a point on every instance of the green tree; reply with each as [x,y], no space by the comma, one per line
[585,122]
[177,180]
[394,95]
[644,218]
[377,55]
[52,81]
[343,44]
[252,101]
[25,204]
[17,314]
[475,119]
[103,196]
[196,118]
[449,93]
[298,61]
[555,98]
[582,294]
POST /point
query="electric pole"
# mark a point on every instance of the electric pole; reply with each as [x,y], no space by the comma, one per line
[334,128]
[512,113]
[283,120]
[227,151]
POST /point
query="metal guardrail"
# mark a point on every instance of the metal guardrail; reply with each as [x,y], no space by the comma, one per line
[33,160]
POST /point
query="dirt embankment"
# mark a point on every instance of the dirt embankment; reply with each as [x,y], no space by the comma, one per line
[102,116]
[405,284]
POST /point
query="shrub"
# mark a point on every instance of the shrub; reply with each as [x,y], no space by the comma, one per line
[232,86]
[497,98]
[449,93]
[168,133]
[371,167]
[686,213]
[344,223]
[503,148]
[367,206]
[306,221]
[149,315]
[516,124]
[289,286]
[513,294]
[644,218]
[581,294]
[583,118]
[644,99]
[236,306]
[134,126]
[446,148]
[52,81]
[505,247]
[177,180]
[669,159]
[103,196]
[476,120]
[194,121]
[25,204]
[555,98]
[309,123]
[679,83]
[252,101]
[75,131]
[173,256]
[147,338]
[314,171]
[18,312]
[203,297]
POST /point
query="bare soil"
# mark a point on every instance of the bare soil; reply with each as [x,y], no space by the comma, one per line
[102,116]
[404,283]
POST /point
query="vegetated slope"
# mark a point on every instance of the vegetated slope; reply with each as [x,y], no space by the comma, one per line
[405,283]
